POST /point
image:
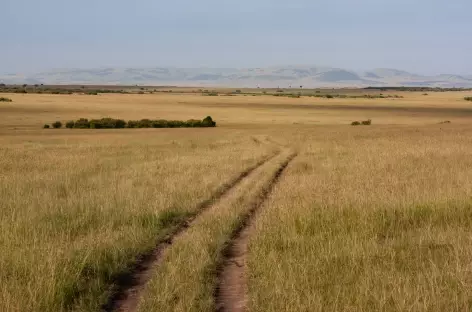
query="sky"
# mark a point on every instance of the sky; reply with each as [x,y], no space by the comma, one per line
[421,36]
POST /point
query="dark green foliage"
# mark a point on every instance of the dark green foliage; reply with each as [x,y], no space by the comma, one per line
[132,124]
[210,93]
[208,122]
[46,126]
[107,123]
[468,98]
[4,99]
[329,96]
[92,93]
[111,123]
[367,122]
[194,123]
[57,125]
[145,123]
[82,123]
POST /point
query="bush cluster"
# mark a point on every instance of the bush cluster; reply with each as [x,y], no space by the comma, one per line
[468,98]
[112,123]
[367,122]
[4,99]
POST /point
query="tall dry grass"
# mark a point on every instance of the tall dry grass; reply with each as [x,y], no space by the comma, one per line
[369,220]
[186,278]
[75,210]
[365,219]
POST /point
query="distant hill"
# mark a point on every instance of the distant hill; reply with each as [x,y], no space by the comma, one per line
[307,76]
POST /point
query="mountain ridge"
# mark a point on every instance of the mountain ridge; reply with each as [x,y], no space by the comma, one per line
[274,76]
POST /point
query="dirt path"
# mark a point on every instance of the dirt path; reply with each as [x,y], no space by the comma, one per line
[231,290]
[129,285]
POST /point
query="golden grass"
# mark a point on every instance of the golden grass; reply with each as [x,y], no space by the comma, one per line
[186,279]
[32,111]
[76,210]
[374,220]
[370,218]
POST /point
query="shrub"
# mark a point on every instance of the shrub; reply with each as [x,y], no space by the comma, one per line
[107,123]
[355,123]
[111,123]
[46,126]
[145,123]
[194,123]
[211,93]
[238,91]
[468,98]
[4,99]
[82,123]
[208,122]
[132,124]
[329,96]
[57,125]
[367,122]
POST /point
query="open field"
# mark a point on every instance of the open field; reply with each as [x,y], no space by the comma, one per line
[318,215]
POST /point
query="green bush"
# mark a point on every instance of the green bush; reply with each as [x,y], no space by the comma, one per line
[468,98]
[46,126]
[82,123]
[367,122]
[111,123]
[329,96]
[57,125]
[107,123]
[208,122]
[145,123]
[132,124]
[4,99]
[194,123]
[355,123]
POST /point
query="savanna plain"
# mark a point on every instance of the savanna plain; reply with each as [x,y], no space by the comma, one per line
[329,216]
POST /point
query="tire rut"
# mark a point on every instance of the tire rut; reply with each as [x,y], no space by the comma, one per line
[129,285]
[231,290]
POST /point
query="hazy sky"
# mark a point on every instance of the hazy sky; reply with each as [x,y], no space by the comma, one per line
[425,36]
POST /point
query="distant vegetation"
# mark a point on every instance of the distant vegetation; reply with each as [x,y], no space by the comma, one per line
[468,98]
[416,89]
[4,99]
[367,122]
[112,123]
[339,96]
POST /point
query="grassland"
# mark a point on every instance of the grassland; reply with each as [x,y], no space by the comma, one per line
[373,218]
